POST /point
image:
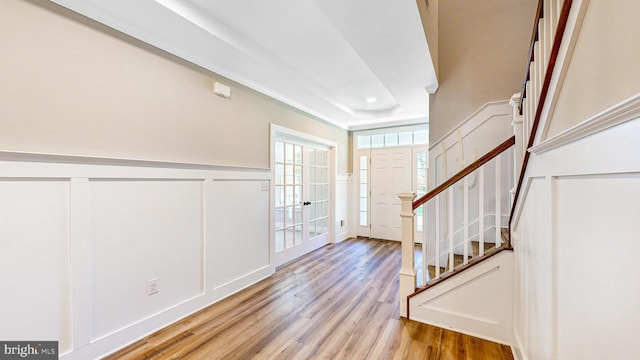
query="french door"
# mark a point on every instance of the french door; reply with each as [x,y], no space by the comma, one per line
[302,198]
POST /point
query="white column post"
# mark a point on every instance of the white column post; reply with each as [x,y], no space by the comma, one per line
[407,271]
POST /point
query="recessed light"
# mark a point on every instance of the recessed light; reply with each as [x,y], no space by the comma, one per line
[371,100]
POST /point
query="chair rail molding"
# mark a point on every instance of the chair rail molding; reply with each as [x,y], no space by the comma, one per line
[627,110]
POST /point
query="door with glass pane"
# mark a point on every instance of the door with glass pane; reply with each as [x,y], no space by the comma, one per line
[385,164]
[301,192]
[376,176]
[420,165]
[390,175]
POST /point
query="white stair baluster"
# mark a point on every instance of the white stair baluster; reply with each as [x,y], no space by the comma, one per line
[559,10]
[548,34]
[534,89]
[465,217]
[481,210]
[451,257]
[437,245]
[425,274]
[498,202]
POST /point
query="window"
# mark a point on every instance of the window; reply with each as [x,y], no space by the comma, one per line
[421,137]
[377,141]
[405,138]
[364,142]
[364,191]
[421,186]
[393,138]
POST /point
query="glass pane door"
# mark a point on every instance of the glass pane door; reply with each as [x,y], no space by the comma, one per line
[302,194]
[288,195]
[318,192]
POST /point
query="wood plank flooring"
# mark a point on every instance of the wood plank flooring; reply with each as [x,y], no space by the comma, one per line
[339,302]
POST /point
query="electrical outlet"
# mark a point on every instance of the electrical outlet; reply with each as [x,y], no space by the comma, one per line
[153,286]
[265,186]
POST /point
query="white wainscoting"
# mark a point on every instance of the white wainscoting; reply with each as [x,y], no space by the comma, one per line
[34,257]
[141,230]
[475,302]
[343,206]
[80,238]
[483,130]
[575,237]
[595,286]
[533,271]
[232,241]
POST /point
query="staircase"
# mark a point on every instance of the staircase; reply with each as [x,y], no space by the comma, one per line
[463,279]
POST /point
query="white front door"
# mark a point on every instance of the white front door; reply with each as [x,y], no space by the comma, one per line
[302,199]
[391,174]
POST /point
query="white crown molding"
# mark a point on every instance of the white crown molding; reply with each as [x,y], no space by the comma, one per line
[370,125]
[627,110]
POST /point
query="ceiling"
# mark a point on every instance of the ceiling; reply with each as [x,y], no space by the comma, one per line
[357,64]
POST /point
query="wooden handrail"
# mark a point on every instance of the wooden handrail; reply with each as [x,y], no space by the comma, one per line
[466,171]
[557,40]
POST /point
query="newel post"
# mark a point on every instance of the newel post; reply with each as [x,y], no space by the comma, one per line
[407,271]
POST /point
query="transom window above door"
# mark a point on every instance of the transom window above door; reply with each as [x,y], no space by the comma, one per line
[393,138]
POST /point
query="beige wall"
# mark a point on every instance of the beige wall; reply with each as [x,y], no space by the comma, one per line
[604,66]
[71,86]
[429,16]
[482,52]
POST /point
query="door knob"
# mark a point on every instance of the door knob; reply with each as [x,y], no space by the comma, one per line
[306,203]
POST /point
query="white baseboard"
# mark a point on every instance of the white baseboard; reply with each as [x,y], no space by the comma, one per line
[133,333]
[342,236]
[516,346]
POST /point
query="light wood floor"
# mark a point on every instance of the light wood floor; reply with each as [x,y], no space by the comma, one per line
[339,302]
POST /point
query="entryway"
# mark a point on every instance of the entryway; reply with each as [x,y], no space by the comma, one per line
[387,164]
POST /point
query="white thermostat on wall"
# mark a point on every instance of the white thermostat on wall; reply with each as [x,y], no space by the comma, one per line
[221,90]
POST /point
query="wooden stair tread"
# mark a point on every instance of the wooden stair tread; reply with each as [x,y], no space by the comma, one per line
[506,236]
[432,271]
[475,247]
[457,260]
